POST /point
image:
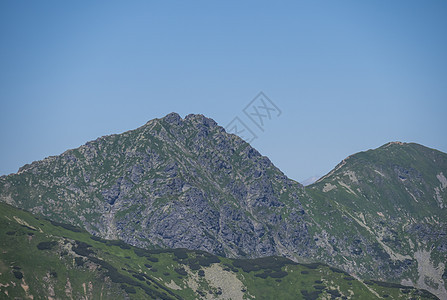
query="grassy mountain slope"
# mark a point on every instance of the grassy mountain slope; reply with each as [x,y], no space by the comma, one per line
[41,259]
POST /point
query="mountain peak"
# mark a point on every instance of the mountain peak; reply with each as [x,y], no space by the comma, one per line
[395,143]
[201,119]
[173,118]
[172,174]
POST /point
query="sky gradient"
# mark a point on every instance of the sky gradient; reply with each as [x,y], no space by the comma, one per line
[347,75]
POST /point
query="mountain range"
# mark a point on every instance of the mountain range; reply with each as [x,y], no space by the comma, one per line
[187,183]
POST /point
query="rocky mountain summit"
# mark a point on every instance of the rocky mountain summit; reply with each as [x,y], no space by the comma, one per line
[171,183]
[186,183]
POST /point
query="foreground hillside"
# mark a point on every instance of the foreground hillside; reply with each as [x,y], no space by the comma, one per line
[44,259]
[186,183]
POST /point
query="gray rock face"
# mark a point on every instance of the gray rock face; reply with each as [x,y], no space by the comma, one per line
[186,183]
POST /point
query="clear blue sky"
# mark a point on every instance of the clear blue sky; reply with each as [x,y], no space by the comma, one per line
[347,75]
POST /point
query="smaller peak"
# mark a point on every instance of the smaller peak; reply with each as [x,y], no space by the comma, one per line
[394,143]
[201,119]
[397,142]
[194,117]
[173,118]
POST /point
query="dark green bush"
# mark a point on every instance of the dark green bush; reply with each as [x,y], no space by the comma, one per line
[310,295]
[349,278]
[98,239]
[81,248]
[275,274]
[46,245]
[181,271]
[117,277]
[79,261]
[141,252]
[118,243]
[194,266]
[273,262]
[139,277]
[334,293]
[338,271]
[262,275]
[159,251]
[390,284]
[67,226]
[17,274]
[206,259]
[128,289]
[278,274]
[181,253]
[152,259]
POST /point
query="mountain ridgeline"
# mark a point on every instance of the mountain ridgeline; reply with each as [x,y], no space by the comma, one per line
[186,183]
